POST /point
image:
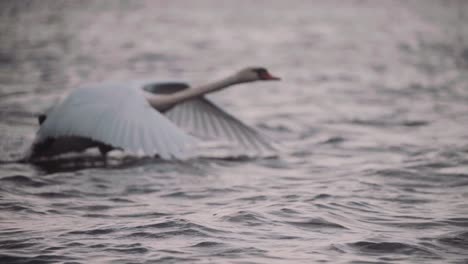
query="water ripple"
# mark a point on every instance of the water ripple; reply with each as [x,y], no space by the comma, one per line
[390,248]
[316,224]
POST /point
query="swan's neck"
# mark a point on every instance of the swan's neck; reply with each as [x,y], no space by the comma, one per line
[162,102]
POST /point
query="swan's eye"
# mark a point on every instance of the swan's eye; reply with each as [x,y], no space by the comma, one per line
[261,72]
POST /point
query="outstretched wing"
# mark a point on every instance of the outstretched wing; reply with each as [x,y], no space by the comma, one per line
[204,119]
[117,115]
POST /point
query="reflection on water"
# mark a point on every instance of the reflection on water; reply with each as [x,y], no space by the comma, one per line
[371,117]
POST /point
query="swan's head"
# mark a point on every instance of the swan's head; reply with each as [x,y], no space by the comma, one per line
[252,74]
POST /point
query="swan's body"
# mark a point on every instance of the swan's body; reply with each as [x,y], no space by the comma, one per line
[136,117]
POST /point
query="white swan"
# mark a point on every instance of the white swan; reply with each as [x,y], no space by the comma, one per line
[128,117]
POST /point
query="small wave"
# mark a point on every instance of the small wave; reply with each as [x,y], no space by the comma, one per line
[459,221]
[458,240]
[178,224]
[102,216]
[415,123]
[11,259]
[188,232]
[208,244]
[334,140]
[60,195]
[412,225]
[92,208]
[319,197]
[245,217]
[16,244]
[19,208]
[21,180]
[242,251]
[170,259]
[130,250]
[167,224]
[253,198]
[92,232]
[151,215]
[140,190]
[286,212]
[399,173]
[120,200]
[382,123]
[390,248]
[186,195]
[316,223]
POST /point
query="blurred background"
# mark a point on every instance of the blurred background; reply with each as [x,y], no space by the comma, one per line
[372,117]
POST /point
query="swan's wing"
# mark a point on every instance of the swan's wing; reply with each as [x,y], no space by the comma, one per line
[117,115]
[204,119]
[164,87]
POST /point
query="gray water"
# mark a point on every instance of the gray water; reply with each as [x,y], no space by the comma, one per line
[371,121]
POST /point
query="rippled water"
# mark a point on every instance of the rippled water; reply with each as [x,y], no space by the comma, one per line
[371,118]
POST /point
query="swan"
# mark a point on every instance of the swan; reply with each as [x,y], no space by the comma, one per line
[163,119]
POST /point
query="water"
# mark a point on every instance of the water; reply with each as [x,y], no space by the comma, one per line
[371,118]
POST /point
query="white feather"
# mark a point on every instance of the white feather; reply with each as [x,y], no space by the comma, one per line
[206,120]
[117,115]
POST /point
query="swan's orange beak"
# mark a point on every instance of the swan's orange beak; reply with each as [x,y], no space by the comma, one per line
[268,77]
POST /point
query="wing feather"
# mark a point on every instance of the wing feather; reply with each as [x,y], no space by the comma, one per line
[205,119]
[116,115]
